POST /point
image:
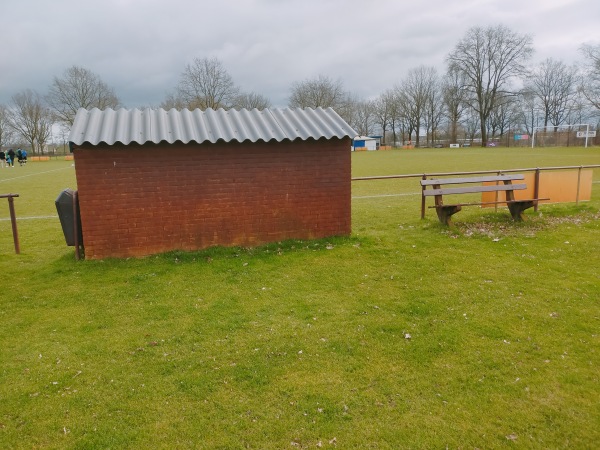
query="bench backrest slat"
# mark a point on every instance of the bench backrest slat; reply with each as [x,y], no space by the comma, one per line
[484,179]
[474,189]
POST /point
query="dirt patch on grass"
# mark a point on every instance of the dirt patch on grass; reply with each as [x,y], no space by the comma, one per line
[492,227]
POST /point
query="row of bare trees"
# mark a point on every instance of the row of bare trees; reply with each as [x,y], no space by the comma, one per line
[27,119]
[487,89]
[30,117]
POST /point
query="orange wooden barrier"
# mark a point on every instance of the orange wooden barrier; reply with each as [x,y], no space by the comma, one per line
[559,186]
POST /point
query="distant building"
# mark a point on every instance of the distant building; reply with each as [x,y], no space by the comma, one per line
[365,143]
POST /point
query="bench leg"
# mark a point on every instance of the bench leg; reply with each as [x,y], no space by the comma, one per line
[516,209]
[445,212]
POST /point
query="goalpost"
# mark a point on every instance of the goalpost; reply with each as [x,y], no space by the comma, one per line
[556,133]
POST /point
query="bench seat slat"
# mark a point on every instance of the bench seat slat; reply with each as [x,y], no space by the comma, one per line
[474,189]
[484,179]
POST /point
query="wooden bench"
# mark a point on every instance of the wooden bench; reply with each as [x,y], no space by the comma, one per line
[444,212]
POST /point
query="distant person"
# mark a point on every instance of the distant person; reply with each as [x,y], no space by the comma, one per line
[2,159]
[24,156]
[10,158]
[20,156]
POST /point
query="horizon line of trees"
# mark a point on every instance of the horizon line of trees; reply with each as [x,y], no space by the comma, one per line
[486,90]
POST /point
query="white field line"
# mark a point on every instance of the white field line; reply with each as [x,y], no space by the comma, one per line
[387,195]
[6,180]
[6,219]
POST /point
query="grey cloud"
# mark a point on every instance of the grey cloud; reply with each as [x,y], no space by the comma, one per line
[141,48]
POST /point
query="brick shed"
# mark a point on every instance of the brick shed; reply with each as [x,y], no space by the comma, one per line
[151,181]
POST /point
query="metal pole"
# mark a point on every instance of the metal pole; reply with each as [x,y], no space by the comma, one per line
[13,221]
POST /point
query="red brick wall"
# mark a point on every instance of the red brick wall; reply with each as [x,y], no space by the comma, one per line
[141,200]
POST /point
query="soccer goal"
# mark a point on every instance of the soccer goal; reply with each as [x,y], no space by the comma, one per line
[570,135]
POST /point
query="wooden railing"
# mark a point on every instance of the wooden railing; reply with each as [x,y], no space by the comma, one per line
[535,170]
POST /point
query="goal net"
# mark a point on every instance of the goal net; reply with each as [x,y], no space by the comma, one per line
[571,135]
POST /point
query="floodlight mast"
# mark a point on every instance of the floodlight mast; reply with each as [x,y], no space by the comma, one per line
[587,131]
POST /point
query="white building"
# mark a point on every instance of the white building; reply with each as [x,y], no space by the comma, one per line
[364,143]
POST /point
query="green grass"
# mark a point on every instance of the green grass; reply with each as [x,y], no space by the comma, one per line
[303,344]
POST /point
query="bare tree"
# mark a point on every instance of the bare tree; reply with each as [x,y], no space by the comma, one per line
[488,59]
[416,91]
[319,92]
[401,123]
[454,96]
[580,110]
[433,112]
[504,116]
[383,108]
[173,100]
[30,118]
[396,117]
[590,86]
[322,92]
[363,118]
[251,101]
[554,84]
[79,88]
[470,123]
[6,131]
[403,110]
[204,84]
[528,110]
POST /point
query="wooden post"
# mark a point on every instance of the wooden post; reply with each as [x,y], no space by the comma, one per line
[536,188]
[13,220]
[578,184]
[423,198]
[496,194]
[76,227]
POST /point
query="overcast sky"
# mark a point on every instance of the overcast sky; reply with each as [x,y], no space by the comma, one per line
[140,47]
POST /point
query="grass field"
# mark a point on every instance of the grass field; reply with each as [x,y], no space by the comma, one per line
[404,335]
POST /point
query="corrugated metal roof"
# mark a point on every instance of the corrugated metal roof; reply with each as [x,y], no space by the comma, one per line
[157,125]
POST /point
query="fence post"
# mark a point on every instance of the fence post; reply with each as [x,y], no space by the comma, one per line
[536,188]
[76,226]
[578,184]
[13,221]
[496,194]
[424,177]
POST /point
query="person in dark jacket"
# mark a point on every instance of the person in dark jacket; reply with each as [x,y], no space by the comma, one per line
[10,154]
[2,159]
